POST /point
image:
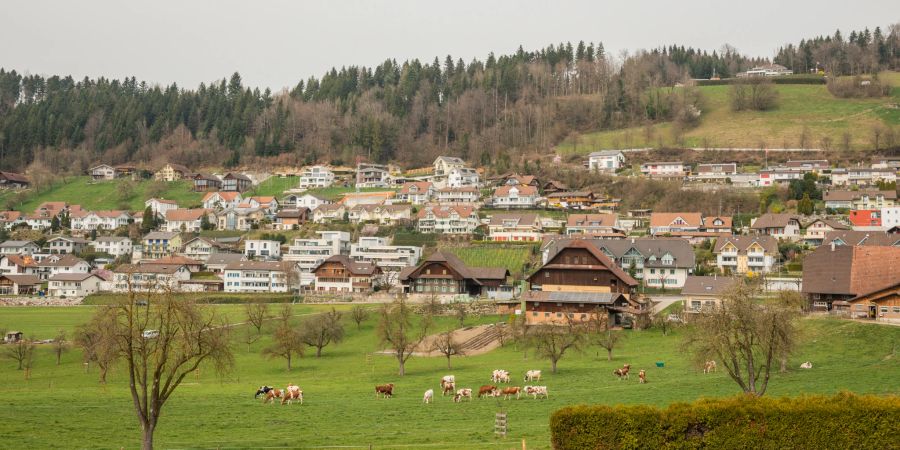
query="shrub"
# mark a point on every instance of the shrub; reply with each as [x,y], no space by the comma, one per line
[841,421]
[858,87]
[753,94]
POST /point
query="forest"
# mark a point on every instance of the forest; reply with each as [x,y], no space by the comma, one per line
[484,111]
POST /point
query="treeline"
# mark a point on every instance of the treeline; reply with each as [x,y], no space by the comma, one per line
[862,52]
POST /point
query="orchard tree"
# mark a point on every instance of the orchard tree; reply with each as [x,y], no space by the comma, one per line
[397,329]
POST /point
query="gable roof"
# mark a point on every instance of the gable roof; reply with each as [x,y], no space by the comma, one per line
[659,219]
[161,235]
[445,211]
[850,270]
[224,258]
[67,260]
[227,196]
[522,219]
[16,244]
[236,176]
[72,277]
[592,220]
[453,262]
[421,186]
[714,285]
[605,153]
[591,247]
[174,260]
[22,280]
[867,238]
[772,220]
[271,266]
[16,177]
[847,196]
[354,267]
[182,214]
[524,189]
[149,268]
[742,243]
[293,213]
[708,222]
[831,223]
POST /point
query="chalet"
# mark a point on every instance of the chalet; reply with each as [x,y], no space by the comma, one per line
[267,203]
[126,170]
[11,180]
[606,161]
[308,253]
[173,172]
[236,182]
[310,201]
[443,273]
[158,244]
[866,218]
[861,176]
[781,226]
[11,284]
[159,206]
[115,246]
[553,186]
[669,223]
[743,254]
[839,273]
[593,224]
[861,199]
[339,273]
[329,213]
[239,218]
[515,179]
[102,172]
[381,214]
[291,219]
[258,276]
[221,200]
[66,244]
[315,177]
[515,228]
[447,219]
[665,169]
[190,220]
[444,164]
[704,293]
[878,303]
[463,177]
[19,248]
[456,196]
[207,183]
[818,228]
[862,238]
[149,277]
[519,196]
[372,176]
[571,200]
[73,284]
[416,192]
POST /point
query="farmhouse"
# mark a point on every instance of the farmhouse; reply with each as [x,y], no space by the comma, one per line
[207,183]
[881,303]
[443,273]
[13,284]
[11,180]
[838,273]
[339,273]
[704,293]
[781,226]
[236,182]
[173,172]
[743,254]
[102,172]
[515,228]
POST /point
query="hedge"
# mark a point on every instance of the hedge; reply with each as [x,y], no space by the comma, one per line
[822,422]
[789,79]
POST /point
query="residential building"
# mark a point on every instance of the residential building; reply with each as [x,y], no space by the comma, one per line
[704,293]
[157,244]
[514,179]
[415,192]
[839,273]
[675,222]
[456,196]
[463,177]
[391,259]
[99,220]
[886,162]
[309,253]
[554,186]
[290,218]
[444,164]
[9,219]
[779,175]
[517,196]
[314,177]
[57,264]
[258,276]
[262,249]
[12,180]
[444,274]
[236,182]
[765,70]
[862,238]
[239,219]
[809,165]
[867,218]
[192,265]
[102,172]
[207,183]
[781,226]
[818,228]
[447,219]
[381,214]
[879,303]
[189,220]
[372,176]
[352,199]
[665,169]
[515,227]
[606,161]
[65,244]
[717,172]
[19,284]
[217,262]
[593,224]
[201,248]
[221,200]
[717,224]
[861,176]
[268,203]
[19,248]
[73,284]
[116,246]
[149,277]
[339,273]
[159,206]
[744,254]
[173,172]
[890,217]
[310,201]
[329,213]
[861,199]
[572,200]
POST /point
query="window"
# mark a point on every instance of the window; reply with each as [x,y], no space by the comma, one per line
[559,315]
[534,313]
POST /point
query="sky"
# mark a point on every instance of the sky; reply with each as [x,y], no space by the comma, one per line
[277,43]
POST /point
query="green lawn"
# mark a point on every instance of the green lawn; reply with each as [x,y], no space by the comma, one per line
[341,410]
[809,107]
[273,186]
[106,195]
[494,255]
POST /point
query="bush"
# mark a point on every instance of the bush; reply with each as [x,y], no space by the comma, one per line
[753,94]
[858,87]
[842,421]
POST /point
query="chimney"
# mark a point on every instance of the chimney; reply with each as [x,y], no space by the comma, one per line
[832,245]
[632,240]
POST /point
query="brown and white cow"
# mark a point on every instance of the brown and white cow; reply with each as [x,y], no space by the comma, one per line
[447,388]
[272,395]
[623,372]
[500,376]
[533,375]
[536,391]
[291,393]
[710,366]
[488,390]
[514,390]
[461,394]
[386,390]
[428,397]
[642,376]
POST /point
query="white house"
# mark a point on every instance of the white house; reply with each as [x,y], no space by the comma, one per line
[390,258]
[187,219]
[73,284]
[314,177]
[520,196]
[113,245]
[200,248]
[149,277]
[18,248]
[594,224]
[415,192]
[221,200]
[100,220]
[382,214]
[66,244]
[665,169]
[463,177]
[860,176]
[262,248]
[447,219]
[890,217]
[444,164]
[780,226]
[606,161]
[258,276]
[309,253]
[160,206]
[515,228]
[103,172]
[455,196]
[372,176]
[328,213]
[311,201]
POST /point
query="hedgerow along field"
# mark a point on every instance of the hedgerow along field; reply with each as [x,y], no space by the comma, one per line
[65,406]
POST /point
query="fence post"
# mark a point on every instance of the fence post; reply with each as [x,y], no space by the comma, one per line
[500,424]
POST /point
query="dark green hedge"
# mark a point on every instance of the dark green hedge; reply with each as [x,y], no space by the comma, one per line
[787,79]
[840,422]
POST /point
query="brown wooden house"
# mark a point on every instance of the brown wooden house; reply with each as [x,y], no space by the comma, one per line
[443,273]
[206,183]
[341,274]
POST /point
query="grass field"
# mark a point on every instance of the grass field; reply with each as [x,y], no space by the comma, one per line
[105,195]
[492,255]
[273,186]
[809,107]
[340,408]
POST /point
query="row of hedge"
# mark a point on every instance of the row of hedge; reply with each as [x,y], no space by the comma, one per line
[839,422]
[786,79]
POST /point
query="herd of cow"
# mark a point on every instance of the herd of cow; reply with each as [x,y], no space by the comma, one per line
[288,395]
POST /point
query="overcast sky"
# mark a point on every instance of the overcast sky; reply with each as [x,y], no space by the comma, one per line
[276,43]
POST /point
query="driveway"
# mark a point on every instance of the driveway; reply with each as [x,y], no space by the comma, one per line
[662,302]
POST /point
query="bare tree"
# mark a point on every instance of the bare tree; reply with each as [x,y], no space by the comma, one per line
[60,345]
[601,333]
[448,346]
[397,330]
[98,343]
[21,351]
[461,311]
[553,341]
[746,335]
[359,314]
[662,322]
[322,330]
[286,343]
[257,312]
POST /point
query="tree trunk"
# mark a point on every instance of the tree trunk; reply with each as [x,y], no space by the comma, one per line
[147,437]
[318,352]
[289,361]
[553,365]
[608,354]
[402,366]
[783,365]
[448,363]
[58,357]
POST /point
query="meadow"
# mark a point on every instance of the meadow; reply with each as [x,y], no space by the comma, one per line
[105,195]
[513,258]
[340,407]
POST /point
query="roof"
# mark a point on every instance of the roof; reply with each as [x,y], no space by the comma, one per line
[203,176]
[76,240]
[12,176]
[567,194]
[71,277]
[149,268]
[25,280]
[768,243]
[592,220]
[846,196]
[161,235]
[450,159]
[67,260]
[170,260]
[354,267]
[445,211]
[605,153]
[866,238]
[522,219]
[591,298]
[850,270]
[295,213]
[179,168]
[871,293]
[834,224]
[263,199]
[10,216]
[592,247]
[236,176]
[452,261]
[161,200]
[555,184]
[696,285]
[227,196]
[503,191]
[659,219]
[663,163]
[459,189]
[422,186]
[216,259]
[708,222]
[182,214]
[20,260]
[772,220]
[16,244]
[271,266]
[111,239]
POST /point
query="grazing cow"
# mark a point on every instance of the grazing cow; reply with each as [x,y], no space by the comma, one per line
[623,372]
[448,379]
[514,390]
[533,375]
[537,391]
[642,376]
[487,390]
[500,376]
[272,395]
[386,390]
[429,396]
[447,387]
[291,393]
[710,366]
[263,390]
[461,394]
[806,365]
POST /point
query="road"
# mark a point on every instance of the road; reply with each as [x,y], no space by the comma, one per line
[663,301]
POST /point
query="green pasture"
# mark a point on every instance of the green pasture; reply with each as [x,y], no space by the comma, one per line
[106,195]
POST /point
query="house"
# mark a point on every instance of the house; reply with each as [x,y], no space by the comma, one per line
[809,165]
[239,219]
[744,254]
[112,245]
[593,224]
[443,273]
[818,228]
[463,177]
[102,172]
[577,282]
[447,219]
[866,218]
[860,176]
[66,244]
[701,293]
[201,249]
[99,220]
[207,183]
[221,200]
[861,199]
[766,70]
[381,214]
[315,177]
[290,219]
[606,161]
[372,176]
[262,249]
[10,219]
[57,264]
[886,162]
[73,284]
[554,186]
[149,277]
[781,226]
[310,201]
[839,273]
[880,303]
[571,200]
[866,238]
[329,213]
[268,203]
[309,253]
[890,217]
[339,273]
[39,221]
[173,172]
[444,164]
[192,265]
[517,196]
[717,224]
[772,176]
[11,284]
[236,182]
[515,228]
[189,220]
[158,244]
[514,179]
[159,206]
[665,169]
[19,248]
[716,172]
[258,276]
[415,192]
[11,180]
[352,199]
[391,259]
[669,223]
[456,196]
[217,262]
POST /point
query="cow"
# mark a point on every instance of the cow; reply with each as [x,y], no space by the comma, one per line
[537,391]
[710,366]
[461,394]
[291,393]
[533,375]
[448,379]
[447,388]
[500,376]
[386,390]
[623,372]
[642,376]
[487,389]
[272,395]
[806,365]
[514,390]
[429,396]
[263,390]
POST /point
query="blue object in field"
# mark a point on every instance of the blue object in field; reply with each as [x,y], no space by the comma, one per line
[660,364]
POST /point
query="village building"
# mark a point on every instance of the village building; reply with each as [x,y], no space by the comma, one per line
[290,218]
[463,177]
[157,244]
[239,219]
[862,238]
[766,70]
[458,196]
[447,219]
[221,200]
[665,169]
[149,277]
[745,254]
[514,227]
[102,172]
[236,182]
[173,172]
[339,273]
[704,293]
[262,249]
[189,220]
[572,200]
[310,201]
[675,222]
[593,224]
[836,274]
[207,183]
[116,246]
[878,303]
[772,176]
[159,206]
[415,192]
[444,164]
[192,265]
[217,262]
[316,177]
[65,244]
[381,214]
[12,180]
[352,199]
[860,199]
[780,226]
[100,220]
[718,172]
[19,248]
[308,253]
[866,218]
[258,276]
[515,196]
[10,219]
[861,176]
[329,213]
[391,259]
[818,228]
[444,274]
[890,217]
[605,161]
[553,186]
[73,284]
[201,248]
[372,176]
[14,284]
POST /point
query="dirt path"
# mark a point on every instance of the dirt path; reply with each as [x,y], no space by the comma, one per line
[476,341]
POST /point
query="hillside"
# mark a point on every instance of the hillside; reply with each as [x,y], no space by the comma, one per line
[801,107]
[105,195]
